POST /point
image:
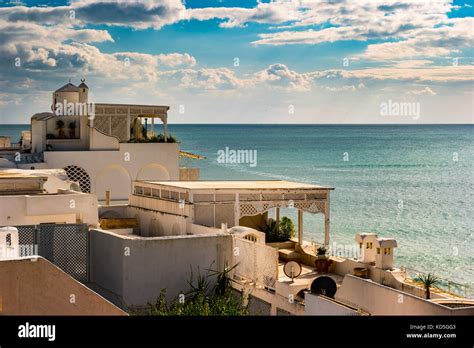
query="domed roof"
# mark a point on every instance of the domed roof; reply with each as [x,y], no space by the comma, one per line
[68,87]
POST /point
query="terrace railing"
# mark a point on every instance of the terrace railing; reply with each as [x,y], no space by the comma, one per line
[444,284]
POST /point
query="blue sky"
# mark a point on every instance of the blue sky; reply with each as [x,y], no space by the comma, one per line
[301,61]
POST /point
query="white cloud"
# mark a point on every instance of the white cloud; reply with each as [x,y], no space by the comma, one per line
[174,60]
[131,13]
[279,11]
[279,75]
[205,79]
[427,90]
[433,73]
[458,33]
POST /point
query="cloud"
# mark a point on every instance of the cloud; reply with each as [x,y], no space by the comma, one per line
[278,75]
[269,13]
[432,42]
[174,60]
[357,20]
[414,63]
[204,79]
[425,90]
[460,73]
[132,13]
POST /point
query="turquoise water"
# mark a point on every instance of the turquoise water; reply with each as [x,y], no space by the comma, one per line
[413,183]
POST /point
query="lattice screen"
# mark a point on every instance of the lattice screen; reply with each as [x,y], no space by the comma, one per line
[80,175]
[254,208]
[65,245]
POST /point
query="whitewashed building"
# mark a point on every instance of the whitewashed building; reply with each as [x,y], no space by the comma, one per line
[104,147]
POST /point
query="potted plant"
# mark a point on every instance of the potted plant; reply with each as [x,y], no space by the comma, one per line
[321,252]
[72,129]
[428,280]
[60,128]
[322,262]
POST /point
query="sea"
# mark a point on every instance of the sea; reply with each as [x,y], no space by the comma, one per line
[414,183]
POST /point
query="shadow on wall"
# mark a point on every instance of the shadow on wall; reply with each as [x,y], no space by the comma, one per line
[153,171]
[113,178]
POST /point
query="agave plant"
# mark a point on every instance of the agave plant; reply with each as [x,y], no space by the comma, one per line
[224,280]
[428,280]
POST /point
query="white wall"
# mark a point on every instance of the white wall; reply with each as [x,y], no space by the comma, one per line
[317,305]
[100,141]
[156,224]
[131,158]
[138,274]
[60,208]
[378,299]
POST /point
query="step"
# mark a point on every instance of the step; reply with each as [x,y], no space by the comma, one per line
[289,255]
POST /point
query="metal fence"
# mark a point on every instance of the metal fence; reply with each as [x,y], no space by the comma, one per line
[65,245]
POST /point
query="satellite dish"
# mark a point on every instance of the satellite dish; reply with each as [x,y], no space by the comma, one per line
[292,269]
[324,286]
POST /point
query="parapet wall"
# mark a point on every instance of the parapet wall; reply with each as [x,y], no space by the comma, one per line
[137,268]
[34,286]
[378,299]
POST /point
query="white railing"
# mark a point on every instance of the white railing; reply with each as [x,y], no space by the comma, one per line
[255,262]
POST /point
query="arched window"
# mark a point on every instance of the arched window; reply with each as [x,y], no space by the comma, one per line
[80,175]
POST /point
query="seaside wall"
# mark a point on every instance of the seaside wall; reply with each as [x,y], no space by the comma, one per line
[391,279]
[34,286]
[378,299]
[136,269]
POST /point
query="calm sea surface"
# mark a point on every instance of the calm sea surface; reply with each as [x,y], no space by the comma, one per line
[413,183]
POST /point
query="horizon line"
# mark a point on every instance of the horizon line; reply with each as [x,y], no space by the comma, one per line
[294,124]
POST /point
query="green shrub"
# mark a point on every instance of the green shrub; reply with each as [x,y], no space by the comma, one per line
[201,300]
[157,138]
[284,232]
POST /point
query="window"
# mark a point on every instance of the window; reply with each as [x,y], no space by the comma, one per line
[369,245]
[78,174]
[251,237]
[386,251]
[360,245]
[9,240]
[378,251]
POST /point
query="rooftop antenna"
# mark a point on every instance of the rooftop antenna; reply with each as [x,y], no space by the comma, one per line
[83,80]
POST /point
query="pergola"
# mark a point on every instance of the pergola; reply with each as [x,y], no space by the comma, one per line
[217,202]
[117,119]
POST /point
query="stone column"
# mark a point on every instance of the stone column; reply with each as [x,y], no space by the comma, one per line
[277,217]
[300,226]
[326,221]
[128,124]
[165,127]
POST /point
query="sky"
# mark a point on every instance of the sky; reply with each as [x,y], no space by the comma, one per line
[242,61]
